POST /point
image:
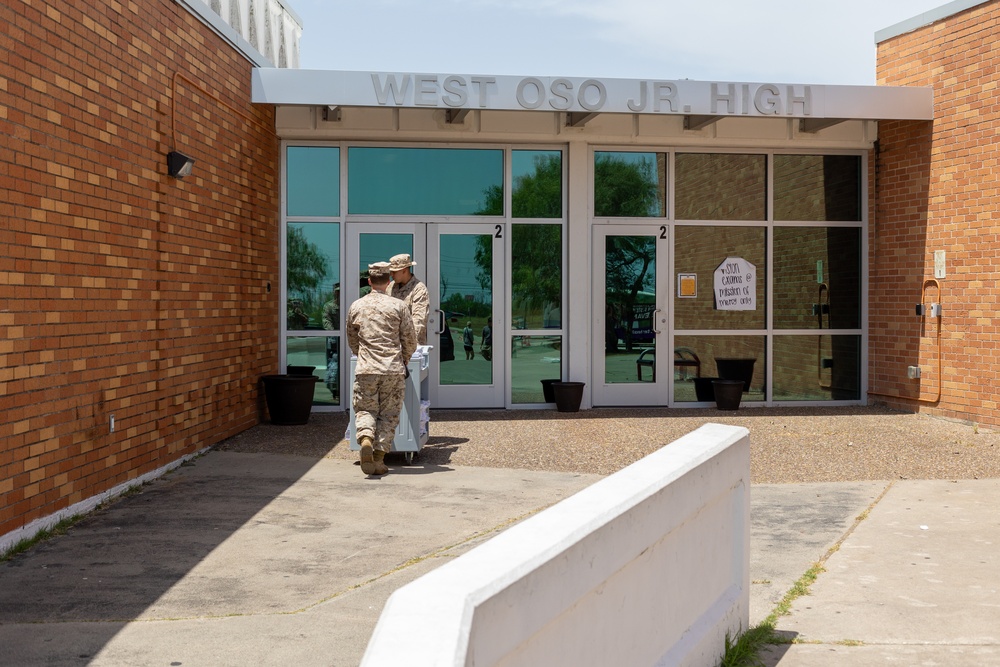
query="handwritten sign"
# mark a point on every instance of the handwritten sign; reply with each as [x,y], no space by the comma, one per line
[735,285]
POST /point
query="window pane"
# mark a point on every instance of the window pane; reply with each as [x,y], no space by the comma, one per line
[817,278]
[725,357]
[320,354]
[536,276]
[425,181]
[629,307]
[534,359]
[313,180]
[700,251]
[466,289]
[537,184]
[817,187]
[720,187]
[312,271]
[817,368]
[630,185]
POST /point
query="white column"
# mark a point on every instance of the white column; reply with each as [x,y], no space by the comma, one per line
[578,268]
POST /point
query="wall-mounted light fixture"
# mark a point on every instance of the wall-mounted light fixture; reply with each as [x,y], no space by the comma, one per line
[178,164]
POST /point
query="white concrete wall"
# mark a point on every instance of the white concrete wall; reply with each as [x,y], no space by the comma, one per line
[649,566]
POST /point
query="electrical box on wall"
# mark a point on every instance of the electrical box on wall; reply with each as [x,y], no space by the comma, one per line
[939,270]
[913,372]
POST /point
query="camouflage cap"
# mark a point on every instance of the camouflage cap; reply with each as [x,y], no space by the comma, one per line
[400,262]
[378,270]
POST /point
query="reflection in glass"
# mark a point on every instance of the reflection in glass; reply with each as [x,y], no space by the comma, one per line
[630,185]
[817,187]
[537,184]
[817,277]
[374,248]
[312,272]
[315,352]
[629,304]
[726,357]
[720,186]
[817,368]
[466,270]
[313,180]
[536,276]
[700,250]
[425,181]
[533,359]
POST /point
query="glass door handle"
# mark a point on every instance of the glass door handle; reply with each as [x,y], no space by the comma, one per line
[441,312]
[655,314]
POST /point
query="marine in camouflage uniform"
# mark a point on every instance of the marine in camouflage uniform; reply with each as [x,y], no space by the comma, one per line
[380,332]
[408,287]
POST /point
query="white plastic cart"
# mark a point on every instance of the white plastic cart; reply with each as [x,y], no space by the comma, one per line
[414,422]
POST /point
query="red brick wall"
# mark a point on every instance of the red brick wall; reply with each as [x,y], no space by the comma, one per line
[935,188]
[122,290]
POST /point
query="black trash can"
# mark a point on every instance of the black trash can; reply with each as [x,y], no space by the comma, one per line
[703,389]
[568,395]
[289,398]
[728,394]
[547,392]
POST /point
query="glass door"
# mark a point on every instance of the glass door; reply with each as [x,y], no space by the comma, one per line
[462,266]
[465,281]
[634,366]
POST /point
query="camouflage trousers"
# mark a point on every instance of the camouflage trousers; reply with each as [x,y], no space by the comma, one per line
[377,402]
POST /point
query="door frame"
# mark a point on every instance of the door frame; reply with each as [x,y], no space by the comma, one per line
[658,392]
[425,253]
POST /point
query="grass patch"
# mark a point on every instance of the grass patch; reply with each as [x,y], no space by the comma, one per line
[63,526]
[42,535]
[745,650]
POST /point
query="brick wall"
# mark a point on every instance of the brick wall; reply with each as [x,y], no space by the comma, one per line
[122,290]
[935,188]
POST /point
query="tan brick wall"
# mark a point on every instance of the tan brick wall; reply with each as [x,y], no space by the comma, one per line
[935,188]
[124,291]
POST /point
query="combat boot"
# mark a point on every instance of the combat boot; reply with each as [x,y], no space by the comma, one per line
[367,456]
[380,467]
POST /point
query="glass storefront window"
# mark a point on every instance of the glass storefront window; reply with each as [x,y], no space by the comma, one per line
[817,368]
[312,272]
[313,181]
[699,251]
[533,359]
[720,186]
[630,185]
[425,181]
[537,184]
[817,187]
[725,357]
[817,277]
[536,276]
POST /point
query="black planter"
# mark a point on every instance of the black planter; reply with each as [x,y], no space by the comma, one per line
[301,370]
[703,389]
[736,369]
[568,395]
[547,392]
[728,394]
[289,398]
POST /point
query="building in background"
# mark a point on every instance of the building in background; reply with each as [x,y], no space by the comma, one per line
[832,245]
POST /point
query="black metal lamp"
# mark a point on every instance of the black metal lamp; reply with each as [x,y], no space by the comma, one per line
[178,164]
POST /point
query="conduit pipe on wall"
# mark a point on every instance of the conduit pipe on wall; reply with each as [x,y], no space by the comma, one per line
[930,282]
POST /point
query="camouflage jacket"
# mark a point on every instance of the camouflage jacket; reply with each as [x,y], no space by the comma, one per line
[380,331]
[417,298]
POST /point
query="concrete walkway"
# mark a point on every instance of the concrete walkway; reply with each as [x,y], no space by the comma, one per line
[270,559]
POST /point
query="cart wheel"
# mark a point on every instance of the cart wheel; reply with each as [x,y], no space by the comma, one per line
[409,458]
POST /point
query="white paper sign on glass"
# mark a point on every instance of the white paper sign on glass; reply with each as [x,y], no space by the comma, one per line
[735,285]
